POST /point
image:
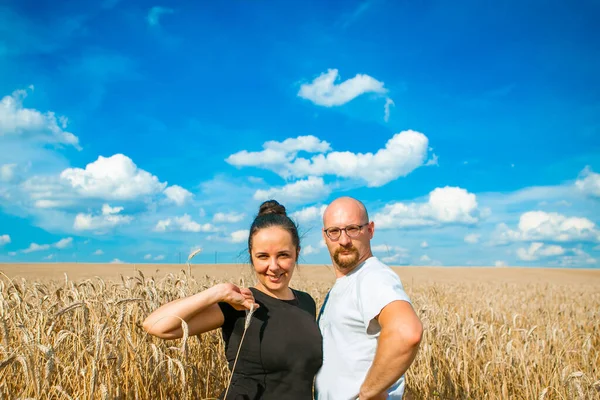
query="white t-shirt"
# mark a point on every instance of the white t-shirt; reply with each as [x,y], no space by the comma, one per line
[350,330]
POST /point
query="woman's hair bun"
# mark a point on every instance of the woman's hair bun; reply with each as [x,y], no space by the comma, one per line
[271,207]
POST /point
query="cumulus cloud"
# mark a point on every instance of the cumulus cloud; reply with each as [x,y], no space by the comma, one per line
[109,218]
[159,257]
[4,239]
[7,172]
[239,236]
[424,245]
[402,154]
[45,127]
[231,217]
[537,250]
[384,248]
[588,182]
[445,206]
[148,257]
[577,257]
[472,238]
[36,247]
[155,14]
[177,194]
[61,244]
[98,252]
[112,178]
[278,153]
[309,249]
[301,191]
[543,226]
[117,261]
[309,214]
[500,263]
[64,243]
[324,91]
[182,224]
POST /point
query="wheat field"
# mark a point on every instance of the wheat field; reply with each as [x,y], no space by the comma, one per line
[488,333]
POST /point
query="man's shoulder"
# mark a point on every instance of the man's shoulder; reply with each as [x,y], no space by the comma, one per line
[374,266]
[375,272]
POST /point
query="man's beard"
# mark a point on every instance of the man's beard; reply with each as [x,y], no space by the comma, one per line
[349,260]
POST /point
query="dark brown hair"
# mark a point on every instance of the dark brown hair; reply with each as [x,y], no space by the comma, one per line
[271,213]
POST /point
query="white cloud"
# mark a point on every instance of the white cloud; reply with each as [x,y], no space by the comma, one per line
[425,258]
[36,247]
[49,257]
[324,91]
[231,217]
[578,258]
[588,182]
[12,253]
[307,250]
[384,248]
[7,172]
[301,191]
[309,214]
[386,109]
[537,250]
[147,256]
[45,127]
[391,259]
[155,13]
[278,153]
[108,219]
[472,238]
[64,243]
[177,194]
[540,225]
[445,205]
[239,236]
[160,257]
[182,224]
[98,252]
[424,245]
[402,154]
[115,177]
[500,263]
[4,239]
[117,261]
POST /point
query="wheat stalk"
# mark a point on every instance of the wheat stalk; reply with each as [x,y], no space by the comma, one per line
[246,325]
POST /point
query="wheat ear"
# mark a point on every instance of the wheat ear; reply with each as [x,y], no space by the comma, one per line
[246,325]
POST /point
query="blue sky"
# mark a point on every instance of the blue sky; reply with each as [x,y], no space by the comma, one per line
[137,131]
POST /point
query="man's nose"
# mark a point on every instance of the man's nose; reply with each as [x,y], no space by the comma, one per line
[344,238]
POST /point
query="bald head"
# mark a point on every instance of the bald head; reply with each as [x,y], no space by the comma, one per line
[347,206]
[347,251]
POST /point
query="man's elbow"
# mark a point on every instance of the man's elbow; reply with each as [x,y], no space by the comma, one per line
[414,334]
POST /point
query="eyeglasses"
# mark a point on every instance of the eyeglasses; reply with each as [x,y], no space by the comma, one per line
[352,231]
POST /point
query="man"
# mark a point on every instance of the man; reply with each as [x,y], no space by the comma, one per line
[371,334]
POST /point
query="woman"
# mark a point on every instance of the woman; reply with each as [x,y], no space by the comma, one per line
[281,351]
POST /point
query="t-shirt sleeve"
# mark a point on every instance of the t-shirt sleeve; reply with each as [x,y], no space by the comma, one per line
[307,303]
[376,290]
[230,315]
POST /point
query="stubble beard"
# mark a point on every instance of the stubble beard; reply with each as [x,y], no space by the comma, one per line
[348,261]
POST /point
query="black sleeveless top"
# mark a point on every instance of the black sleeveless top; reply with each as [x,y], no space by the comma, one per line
[281,352]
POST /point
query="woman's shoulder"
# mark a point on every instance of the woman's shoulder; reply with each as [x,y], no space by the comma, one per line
[303,297]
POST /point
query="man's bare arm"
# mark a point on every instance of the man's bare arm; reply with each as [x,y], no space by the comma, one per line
[397,347]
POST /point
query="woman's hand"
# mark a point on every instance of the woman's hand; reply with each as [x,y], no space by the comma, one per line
[239,298]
